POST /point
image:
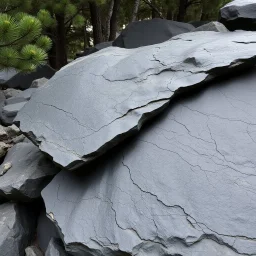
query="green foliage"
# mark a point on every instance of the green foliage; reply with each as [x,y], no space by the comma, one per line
[21,45]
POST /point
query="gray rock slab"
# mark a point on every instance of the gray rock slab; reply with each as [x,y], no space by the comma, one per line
[12,109]
[5,75]
[212,26]
[39,82]
[21,97]
[16,229]
[46,230]
[149,32]
[29,173]
[10,92]
[33,251]
[115,91]
[55,248]
[185,186]
[24,81]
[239,14]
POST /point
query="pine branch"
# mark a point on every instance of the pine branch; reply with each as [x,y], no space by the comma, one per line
[154,8]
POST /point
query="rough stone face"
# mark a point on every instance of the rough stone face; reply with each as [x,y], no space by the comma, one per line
[115,91]
[29,173]
[185,186]
[39,82]
[10,92]
[16,229]
[24,81]
[149,32]
[33,251]
[55,248]
[212,26]
[239,14]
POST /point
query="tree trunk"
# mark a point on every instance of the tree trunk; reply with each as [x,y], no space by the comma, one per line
[169,15]
[61,51]
[108,18]
[135,10]
[96,22]
[182,10]
[113,20]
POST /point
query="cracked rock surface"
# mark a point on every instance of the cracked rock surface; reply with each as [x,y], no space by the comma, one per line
[185,186]
[55,248]
[239,14]
[16,229]
[28,173]
[94,103]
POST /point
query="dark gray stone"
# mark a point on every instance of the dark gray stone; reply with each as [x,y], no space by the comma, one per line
[33,251]
[212,26]
[115,91]
[185,186]
[39,82]
[149,32]
[2,103]
[24,81]
[55,248]
[29,173]
[16,229]
[46,230]
[239,14]
[5,75]
[94,49]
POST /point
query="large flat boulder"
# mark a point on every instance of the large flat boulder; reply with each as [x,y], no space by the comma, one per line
[239,14]
[29,172]
[149,32]
[16,229]
[185,186]
[96,102]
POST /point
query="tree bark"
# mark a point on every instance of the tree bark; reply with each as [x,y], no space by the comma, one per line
[135,10]
[61,50]
[169,15]
[108,18]
[96,22]
[113,20]
[182,10]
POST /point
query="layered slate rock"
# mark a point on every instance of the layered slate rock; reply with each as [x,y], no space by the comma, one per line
[16,229]
[29,172]
[149,32]
[24,81]
[212,26]
[55,248]
[239,14]
[96,102]
[185,185]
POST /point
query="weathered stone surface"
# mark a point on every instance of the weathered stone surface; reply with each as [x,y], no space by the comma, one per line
[55,248]
[33,251]
[39,82]
[16,229]
[24,81]
[115,91]
[46,230]
[5,75]
[239,14]
[185,186]
[212,26]
[14,104]
[29,173]
[149,32]
[3,148]
[10,92]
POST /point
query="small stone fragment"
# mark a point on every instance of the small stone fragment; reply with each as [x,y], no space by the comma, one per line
[39,82]
[5,168]
[33,251]
[3,148]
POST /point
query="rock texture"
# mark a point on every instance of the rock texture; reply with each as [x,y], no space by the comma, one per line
[55,248]
[212,26]
[16,229]
[148,32]
[39,82]
[24,81]
[33,251]
[28,173]
[239,14]
[96,102]
[14,104]
[185,186]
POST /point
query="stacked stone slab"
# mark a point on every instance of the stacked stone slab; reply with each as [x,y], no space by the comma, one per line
[239,14]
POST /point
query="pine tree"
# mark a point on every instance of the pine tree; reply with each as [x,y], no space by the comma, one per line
[21,44]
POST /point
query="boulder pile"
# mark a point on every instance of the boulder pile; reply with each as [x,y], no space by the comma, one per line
[148,151]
